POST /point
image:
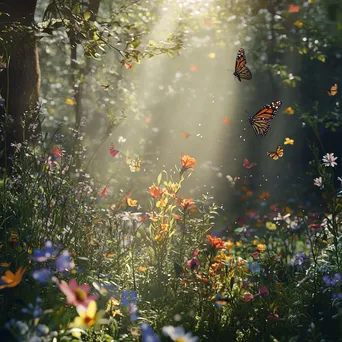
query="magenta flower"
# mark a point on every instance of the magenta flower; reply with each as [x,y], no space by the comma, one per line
[247,296]
[76,294]
[263,291]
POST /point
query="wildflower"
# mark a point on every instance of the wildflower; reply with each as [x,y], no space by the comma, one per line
[131,203]
[332,281]
[77,294]
[264,195]
[142,269]
[272,316]
[104,191]
[299,260]
[12,279]
[112,151]
[329,160]
[64,262]
[289,110]
[247,296]
[263,291]
[42,275]
[178,334]
[88,317]
[70,101]
[130,298]
[288,141]
[228,245]
[56,152]
[192,264]
[299,24]
[254,267]
[186,203]
[215,242]
[156,191]
[162,203]
[271,225]
[187,162]
[147,334]
[45,254]
[319,182]
[128,65]
[293,8]
[261,247]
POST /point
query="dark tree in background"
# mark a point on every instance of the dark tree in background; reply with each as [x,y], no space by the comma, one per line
[20,80]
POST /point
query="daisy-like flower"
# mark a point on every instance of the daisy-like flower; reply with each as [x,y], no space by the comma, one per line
[178,334]
[319,182]
[77,294]
[12,279]
[329,160]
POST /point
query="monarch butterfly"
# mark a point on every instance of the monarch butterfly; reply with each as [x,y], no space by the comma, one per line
[333,90]
[277,154]
[134,165]
[261,121]
[241,71]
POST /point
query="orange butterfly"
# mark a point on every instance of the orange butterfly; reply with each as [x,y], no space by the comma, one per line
[277,154]
[241,71]
[333,90]
[261,121]
[185,135]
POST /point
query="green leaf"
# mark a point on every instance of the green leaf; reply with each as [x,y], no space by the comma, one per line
[159,178]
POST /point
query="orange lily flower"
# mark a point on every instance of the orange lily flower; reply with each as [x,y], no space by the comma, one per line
[187,162]
[155,191]
[215,241]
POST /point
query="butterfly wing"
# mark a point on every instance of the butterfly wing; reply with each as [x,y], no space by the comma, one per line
[333,90]
[261,121]
[278,154]
[241,70]
[273,155]
[280,151]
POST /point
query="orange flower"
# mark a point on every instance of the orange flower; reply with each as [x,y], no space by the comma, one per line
[264,195]
[187,162]
[228,245]
[215,242]
[186,203]
[261,247]
[11,279]
[164,228]
[155,191]
[131,203]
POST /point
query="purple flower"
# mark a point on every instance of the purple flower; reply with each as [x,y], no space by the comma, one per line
[64,262]
[45,254]
[43,275]
[332,281]
[147,333]
[130,298]
[300,260]
[192,264]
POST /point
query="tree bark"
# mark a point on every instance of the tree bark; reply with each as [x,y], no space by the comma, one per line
[20,80]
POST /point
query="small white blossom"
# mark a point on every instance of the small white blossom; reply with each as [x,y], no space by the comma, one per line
[329,160]
[178,334]
[319,182]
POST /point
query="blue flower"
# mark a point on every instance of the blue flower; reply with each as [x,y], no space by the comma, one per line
[254,267]
[45,254]
[42,275]
[130,298]
[147,333]
[300,260]
[64,262]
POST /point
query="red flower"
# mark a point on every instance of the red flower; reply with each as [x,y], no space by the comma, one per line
[128,65]
[293,8]
[104,191]
[56,152]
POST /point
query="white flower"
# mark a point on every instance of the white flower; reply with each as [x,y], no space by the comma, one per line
[178,334]
[329,160]
[319,182]
[121,139]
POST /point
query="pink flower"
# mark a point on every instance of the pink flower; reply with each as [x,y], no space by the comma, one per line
[112,151]
[247,296]
[263,291]
[272,316]
[76,294]
[329,160]
[192,264]
[195,252]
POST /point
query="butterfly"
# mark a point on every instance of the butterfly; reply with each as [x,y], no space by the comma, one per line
[277,154]
[247,164]
[333,90]
[112,151]
[261,121]
[241,71]
[134,164]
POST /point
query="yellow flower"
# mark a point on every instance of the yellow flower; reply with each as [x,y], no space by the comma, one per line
[261,247]
[299,24]
[70,101]
[212,55]
[271,225]
[238,244]
[162,203]
[88,317]
[311,2]
[288,141]
[289,110]
[228,245]
[131,203]
[12,279]
[142,269]
[172,187]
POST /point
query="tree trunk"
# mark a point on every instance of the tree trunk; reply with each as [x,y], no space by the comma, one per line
[20,80]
